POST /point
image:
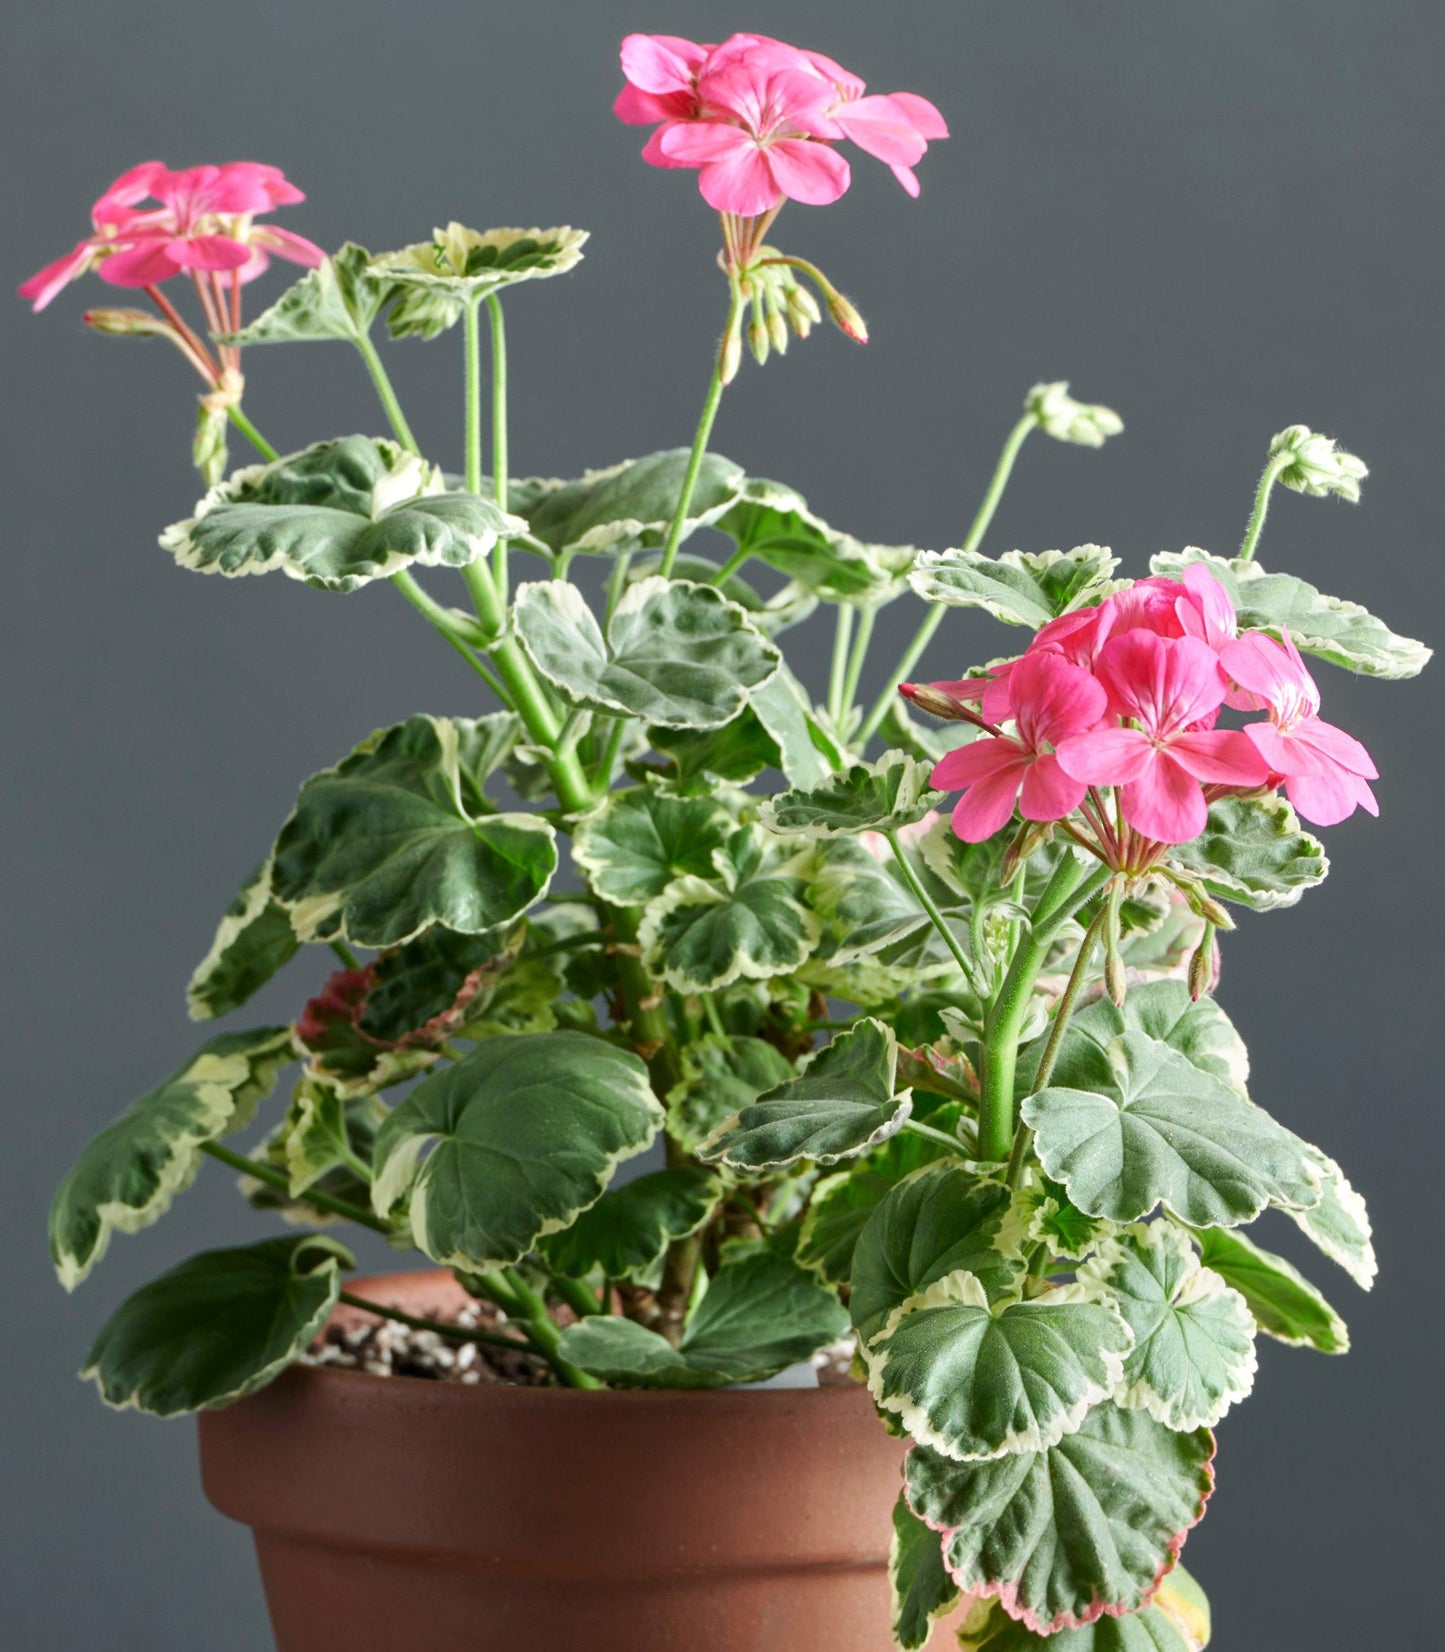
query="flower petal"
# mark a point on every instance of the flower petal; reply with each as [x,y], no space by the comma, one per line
[742,182]
[880,128]
[1327,799]
[1106,756]
[209,252]
[1052,699]
[1048,793]
[986,807]
[1165,803]
[965,765]
[1166,682]
[661,63]
[287,244]
[808,171]
[143,264]
[44,284]
[1222,756]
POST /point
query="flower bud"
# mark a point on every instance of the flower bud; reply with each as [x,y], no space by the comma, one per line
[758,340]
[208,450]
[1317,465]
[128,324]
[778,331]
[1031,836]
[1067,420]
[845,315]
[730,354]
[803,310]
[938,702]
[1201,966]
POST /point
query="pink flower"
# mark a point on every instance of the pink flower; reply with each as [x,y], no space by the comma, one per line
[202,220]
[1326,772]
[1053,701]
[1169,686]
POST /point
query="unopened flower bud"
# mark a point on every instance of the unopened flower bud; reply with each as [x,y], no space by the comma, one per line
[1031,836]
[208,450]
[935,699]
[778,331]
[1201,966]
[730,354]
[1115,978]
[803,310]
[845,315]
[128,324]
[758,340]
[1067,420]
[1317,465]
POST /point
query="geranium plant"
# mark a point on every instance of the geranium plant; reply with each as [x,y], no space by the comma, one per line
[955,1087]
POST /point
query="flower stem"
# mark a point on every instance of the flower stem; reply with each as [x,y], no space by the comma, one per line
[282,1182]
[864,632]
[539,1326]
[252,435]
[925,900]
[941,1137]
[499,434]
[474,397]
[842,641]
[914,652]
[1271,474]
[731,566]
[437,617]
[1068,889]
[384,389]
[463,1333]
[700,440]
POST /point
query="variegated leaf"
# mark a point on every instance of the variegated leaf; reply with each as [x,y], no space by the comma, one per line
[639,840]
[722,1074]
[253,940]
[1284,1304]
[625,1234]
[1340,1224]
[1253,851]
[628,507]
[922,1589]
[461,266]
[877,797]
[1020,587]
[340,299]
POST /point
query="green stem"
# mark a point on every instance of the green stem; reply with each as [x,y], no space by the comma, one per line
[925,900]
[282,1182]
[928,1133]
[384,389]
[539,1326]
[860,653]
[346,955]
[437,616]
[576,1294]
[602,774]
[499,434]
[838,675]
[1069,888]
[252,435]
[914,652]
[473,397]
[700,440]
[463,1333]
[1272,471]
[713,1014]
[616,585]
[731,566]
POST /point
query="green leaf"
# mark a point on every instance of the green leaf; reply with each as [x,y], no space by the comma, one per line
[423,991]
[1193,1355]
[943,1219]
[676,654]
[843,1103]
[772,523]
[1340,1224]
[699,758]
[629,507]
[313,1139]
[1285,1305]
[922,1589]
[750,923]
[253,940]
[524,1134]
[341,298]
[1151,1630]
[1253,851]
[841,1204]
[391,841]
[1165,1132]
[126,1178]
[1063,1536]
[721,1076]
[638,841]
[1020,587]
[628,1230]
[976,1381]
[878,797]
[866,908]
[807,750]
[461,266]
[218,1327]
[759,1314]
[337,515]
[1341,632]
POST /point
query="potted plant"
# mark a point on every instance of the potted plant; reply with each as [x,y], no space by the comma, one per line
[957,1147]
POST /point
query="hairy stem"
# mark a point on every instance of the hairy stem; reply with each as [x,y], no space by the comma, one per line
[861,639]
[925,900]
[838,674]
[540,1327]
[282,1183]
[384,389]
[1272,471]
[499,434]
[252,435]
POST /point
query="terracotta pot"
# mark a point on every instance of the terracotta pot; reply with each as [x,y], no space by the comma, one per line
[396,1512]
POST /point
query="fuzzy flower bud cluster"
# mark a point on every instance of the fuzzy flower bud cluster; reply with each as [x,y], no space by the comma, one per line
[1317,464]
[1067,420]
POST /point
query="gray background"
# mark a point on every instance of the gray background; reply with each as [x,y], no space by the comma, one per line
[1218,218]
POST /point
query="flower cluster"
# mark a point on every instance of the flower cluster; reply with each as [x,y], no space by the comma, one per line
[1128,694]
[758,119]
[200,219]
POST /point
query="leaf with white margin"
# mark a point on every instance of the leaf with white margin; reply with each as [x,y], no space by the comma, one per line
[1083,1531]
[1285,1305]
[1048,1218]
[1193,1355]
[126,1178]
[922,1589]
[629,506]
[722,1074]
[868,911]
[1253,851]
[461,266]
[337,515]
[639,840]
[313,1138]
[942,1219]
[218,1327]
[1340,1224]
[340,299]
[1341,632]
[1162,1010]
[976,1381]
[253,940]
[760,1314]
[677,654]
[1020,587]
[772,615]
[747,923]
[395,839]
[843,1103]
[628,1230]
[520,1137]
[772,523]
[1164,1132]
[807,748]
[1152,1630]
[878,797]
